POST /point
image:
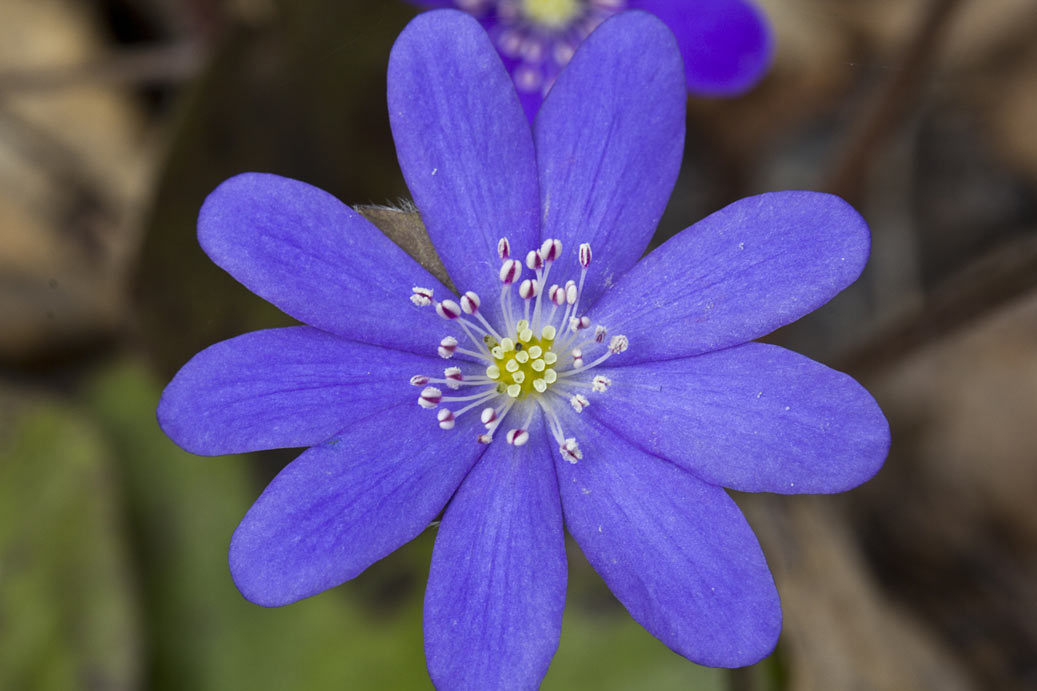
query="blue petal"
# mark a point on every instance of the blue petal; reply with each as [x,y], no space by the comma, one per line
[726,44]
[609,139]
[756,418]
[676,551]
[496,589]
[464,146]
[309,254]
[282,388]
[755,265]
[343,505]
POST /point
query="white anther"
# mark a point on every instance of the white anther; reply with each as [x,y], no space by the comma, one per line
[600,383]
[485,438]
[510,270]
[503,248]
[579,323]
[453,377]
[430,397]
[534,260]
[446,419]
[579,402]
[570,450]
[517,437]
[488,416]
[422,297]
[599,334]
[448,309]
[577,357]
[528,289]
[470,302]
[447,347]
[418,380]
[585,255]
[618,344]
[557,294]
[571,292]
[551,249]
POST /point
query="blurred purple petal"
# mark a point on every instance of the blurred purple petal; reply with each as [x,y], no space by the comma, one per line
[496,588]
[756,418]
[757,264]
[343,505]
[727,45]
[676,551]
[609,142]
[309,254]
[282,388]
[464,146]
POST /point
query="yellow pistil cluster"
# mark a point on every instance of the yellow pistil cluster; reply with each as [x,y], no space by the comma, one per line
[555,14]
[523,364]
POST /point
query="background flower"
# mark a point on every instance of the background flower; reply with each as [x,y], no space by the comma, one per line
[696,410]
[726,44]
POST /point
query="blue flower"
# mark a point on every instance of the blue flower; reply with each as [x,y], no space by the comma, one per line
[571,381]
[726,44]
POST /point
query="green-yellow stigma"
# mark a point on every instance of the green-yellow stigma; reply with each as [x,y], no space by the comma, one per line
[555,14]
[524,364]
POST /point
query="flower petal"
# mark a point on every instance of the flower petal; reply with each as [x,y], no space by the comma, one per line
[727,45]
[609,140]
[496,588]
[309,254]
[282,388]
[757,264]
[676,551]
[343,505]
[756,418]
[464,146]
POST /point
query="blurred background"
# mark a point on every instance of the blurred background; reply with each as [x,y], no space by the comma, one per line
[118,116]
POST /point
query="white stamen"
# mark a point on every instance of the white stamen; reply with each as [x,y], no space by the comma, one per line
[517,437]
[551,249]
[571,292]
[579,323]
[418,380]
[488,415]
[600,383]
[503,248]
[534,261]
[579,402]
[557,295]
[447,347]
[470,303]
[446,419]
[527,289]
[430,397]
[599,334]
[422,297]
[585,255]
[510,270]
[453,377]
[448,309]
[570,450]
[618,344]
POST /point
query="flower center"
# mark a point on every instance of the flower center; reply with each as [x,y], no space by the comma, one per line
[539,365]
[555,14]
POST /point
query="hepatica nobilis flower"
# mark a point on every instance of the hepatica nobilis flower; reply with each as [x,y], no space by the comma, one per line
[568,381]
[726,44]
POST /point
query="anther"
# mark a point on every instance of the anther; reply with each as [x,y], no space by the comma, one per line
[570,450]
[510,270]
[488,416]
[577,357]
[453,377]
[448,309]
[534,260]
[585,255]
[470,303]
[600,383]
[517,437]
[557,294]
[418,380]
[618,344]
[579,402]
[503,248]
[430,397]
[422,297]
[446,419]
[527,289]
[599,334]
[571,292]
[447,347]
[551,249]
[579,323]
